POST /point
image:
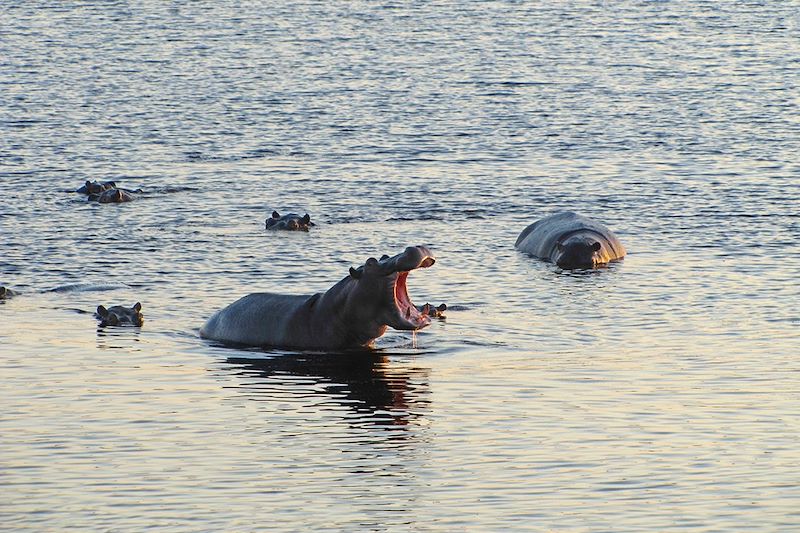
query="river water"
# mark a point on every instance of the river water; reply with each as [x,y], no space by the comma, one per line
[661,393]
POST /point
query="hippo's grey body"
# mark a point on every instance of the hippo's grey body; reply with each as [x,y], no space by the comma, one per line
[571,240]
[354,312]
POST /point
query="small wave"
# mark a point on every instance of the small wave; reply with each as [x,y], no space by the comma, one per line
[88,287]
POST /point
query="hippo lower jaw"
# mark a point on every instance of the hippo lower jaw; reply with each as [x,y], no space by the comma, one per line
[405,315]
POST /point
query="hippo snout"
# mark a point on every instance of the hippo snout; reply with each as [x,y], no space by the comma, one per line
[412,258]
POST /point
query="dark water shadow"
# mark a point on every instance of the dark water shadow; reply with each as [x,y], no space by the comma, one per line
[375,390]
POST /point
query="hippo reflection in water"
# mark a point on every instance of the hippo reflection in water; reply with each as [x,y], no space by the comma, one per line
[571,241]
[119,315]
[352,313]
[290,222]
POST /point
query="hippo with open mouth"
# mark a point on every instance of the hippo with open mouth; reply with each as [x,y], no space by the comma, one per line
[119,315]
[290,222]
[352,313]
[571,241]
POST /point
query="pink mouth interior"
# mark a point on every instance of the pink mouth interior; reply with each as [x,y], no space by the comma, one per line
[404,305]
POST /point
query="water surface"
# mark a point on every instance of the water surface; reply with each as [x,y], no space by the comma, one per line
[658,394]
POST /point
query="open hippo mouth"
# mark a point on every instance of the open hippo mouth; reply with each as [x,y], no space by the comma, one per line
[401,314]
[406,315]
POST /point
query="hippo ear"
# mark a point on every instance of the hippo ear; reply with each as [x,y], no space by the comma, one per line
[137,307]
[355,274]
[275,214]
[306,219]
[102,311]
[442,307]
[112,184]
[596,246]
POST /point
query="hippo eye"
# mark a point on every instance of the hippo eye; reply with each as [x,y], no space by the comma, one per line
[596,247]
[371,262]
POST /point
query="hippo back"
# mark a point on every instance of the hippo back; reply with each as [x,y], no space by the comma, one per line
[540,238]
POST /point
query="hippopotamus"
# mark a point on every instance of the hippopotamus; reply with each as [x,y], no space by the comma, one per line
[353,313]
[571,241]
[120,315]
[432,310]
[291,222]
[6,293]
[96,187]
[112,196]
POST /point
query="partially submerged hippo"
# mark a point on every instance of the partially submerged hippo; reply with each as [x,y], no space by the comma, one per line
[96,187]
[432,310]
[113,196]
[354,312]
[6,293]
[120,315]
[291,222]
[571,241]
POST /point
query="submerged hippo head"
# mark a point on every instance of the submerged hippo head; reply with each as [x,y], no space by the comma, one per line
[119,315]
[6,293]
[382,291]
[112,196]
[96,187]
[432,310]
[577,252]
[290,222]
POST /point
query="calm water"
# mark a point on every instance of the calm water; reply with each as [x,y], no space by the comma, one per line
[662,393]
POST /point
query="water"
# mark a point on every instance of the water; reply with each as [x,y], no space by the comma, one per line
[658,394]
